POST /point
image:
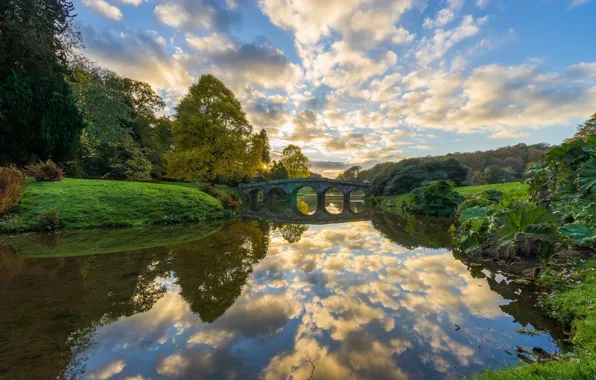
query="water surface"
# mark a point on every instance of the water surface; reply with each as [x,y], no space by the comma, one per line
[379,299]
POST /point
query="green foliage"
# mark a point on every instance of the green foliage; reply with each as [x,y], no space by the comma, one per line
[296,163]
[579,234]
[409,174]
[12,185]
[101,203]
[49,220]
[586,177]
[433,198]
[45,171]
[132,164]
[123,138]
[266,154]
[278,171]
[38,115]
[587,129]
[212,135]
[577,369]
[573,287]
[527,230]
[350,174]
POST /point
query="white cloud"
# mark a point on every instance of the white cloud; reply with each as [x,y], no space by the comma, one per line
[577,3]
[482,3]
[104,8]
[434,48]
[132,2]
[508,134]
[444,17]
[108,371]
[214,43]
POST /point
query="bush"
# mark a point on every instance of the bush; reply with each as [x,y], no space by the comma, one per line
[45,171]
[433,198]
[209,189]
[230,202]
[12,185]
[49,220]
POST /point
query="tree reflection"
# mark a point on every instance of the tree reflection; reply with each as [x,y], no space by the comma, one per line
[211,274]
[413,232]
[292,233]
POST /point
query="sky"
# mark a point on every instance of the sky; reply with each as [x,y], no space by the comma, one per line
[358,82]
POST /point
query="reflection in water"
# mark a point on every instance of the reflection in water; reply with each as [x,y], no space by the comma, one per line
[253,298]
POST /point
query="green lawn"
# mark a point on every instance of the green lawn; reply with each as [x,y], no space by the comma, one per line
[223,189]
[516,191]
[85,203]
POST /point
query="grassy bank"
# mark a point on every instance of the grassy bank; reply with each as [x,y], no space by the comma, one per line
[80,203]
[515,191]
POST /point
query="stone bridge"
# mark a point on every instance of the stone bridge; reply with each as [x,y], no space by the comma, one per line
[292,186]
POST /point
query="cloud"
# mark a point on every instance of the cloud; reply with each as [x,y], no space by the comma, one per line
[108,371]
[196,15]
[444,17]
[577,3]
[361,26]
[349,142]
[508,134]
[306,127]
[434,48]
[214,43]
[501,97]
[103,8]
[482,3]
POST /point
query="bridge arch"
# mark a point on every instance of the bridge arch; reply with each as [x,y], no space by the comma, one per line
[319,185]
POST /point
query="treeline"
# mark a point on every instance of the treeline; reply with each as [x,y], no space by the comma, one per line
[57,104]
[500,165]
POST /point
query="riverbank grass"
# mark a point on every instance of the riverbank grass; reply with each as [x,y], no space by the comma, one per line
[84,203]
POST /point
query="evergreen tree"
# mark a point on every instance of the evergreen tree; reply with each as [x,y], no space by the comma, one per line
[266,154]
[38,115]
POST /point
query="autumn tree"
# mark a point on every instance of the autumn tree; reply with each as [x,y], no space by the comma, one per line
[296,163]
[212,135]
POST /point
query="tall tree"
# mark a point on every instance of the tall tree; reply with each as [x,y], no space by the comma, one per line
[212,135]
[296,163]
[38,115]
[266,155]
[278,171]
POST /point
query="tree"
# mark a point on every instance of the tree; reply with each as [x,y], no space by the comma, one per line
[350,174]
[38,115]
[295,162]
[587,129]
[212,135]
[278,171]
[266,155]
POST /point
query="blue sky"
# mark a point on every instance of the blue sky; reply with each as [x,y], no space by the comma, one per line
[366,81]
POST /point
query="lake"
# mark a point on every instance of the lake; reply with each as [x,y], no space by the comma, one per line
[383,298]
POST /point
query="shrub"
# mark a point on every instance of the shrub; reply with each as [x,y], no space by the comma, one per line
[12,184]
[495,196]
[49,220]
[433,198]
[230,202]
[209,189]
[45,171]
